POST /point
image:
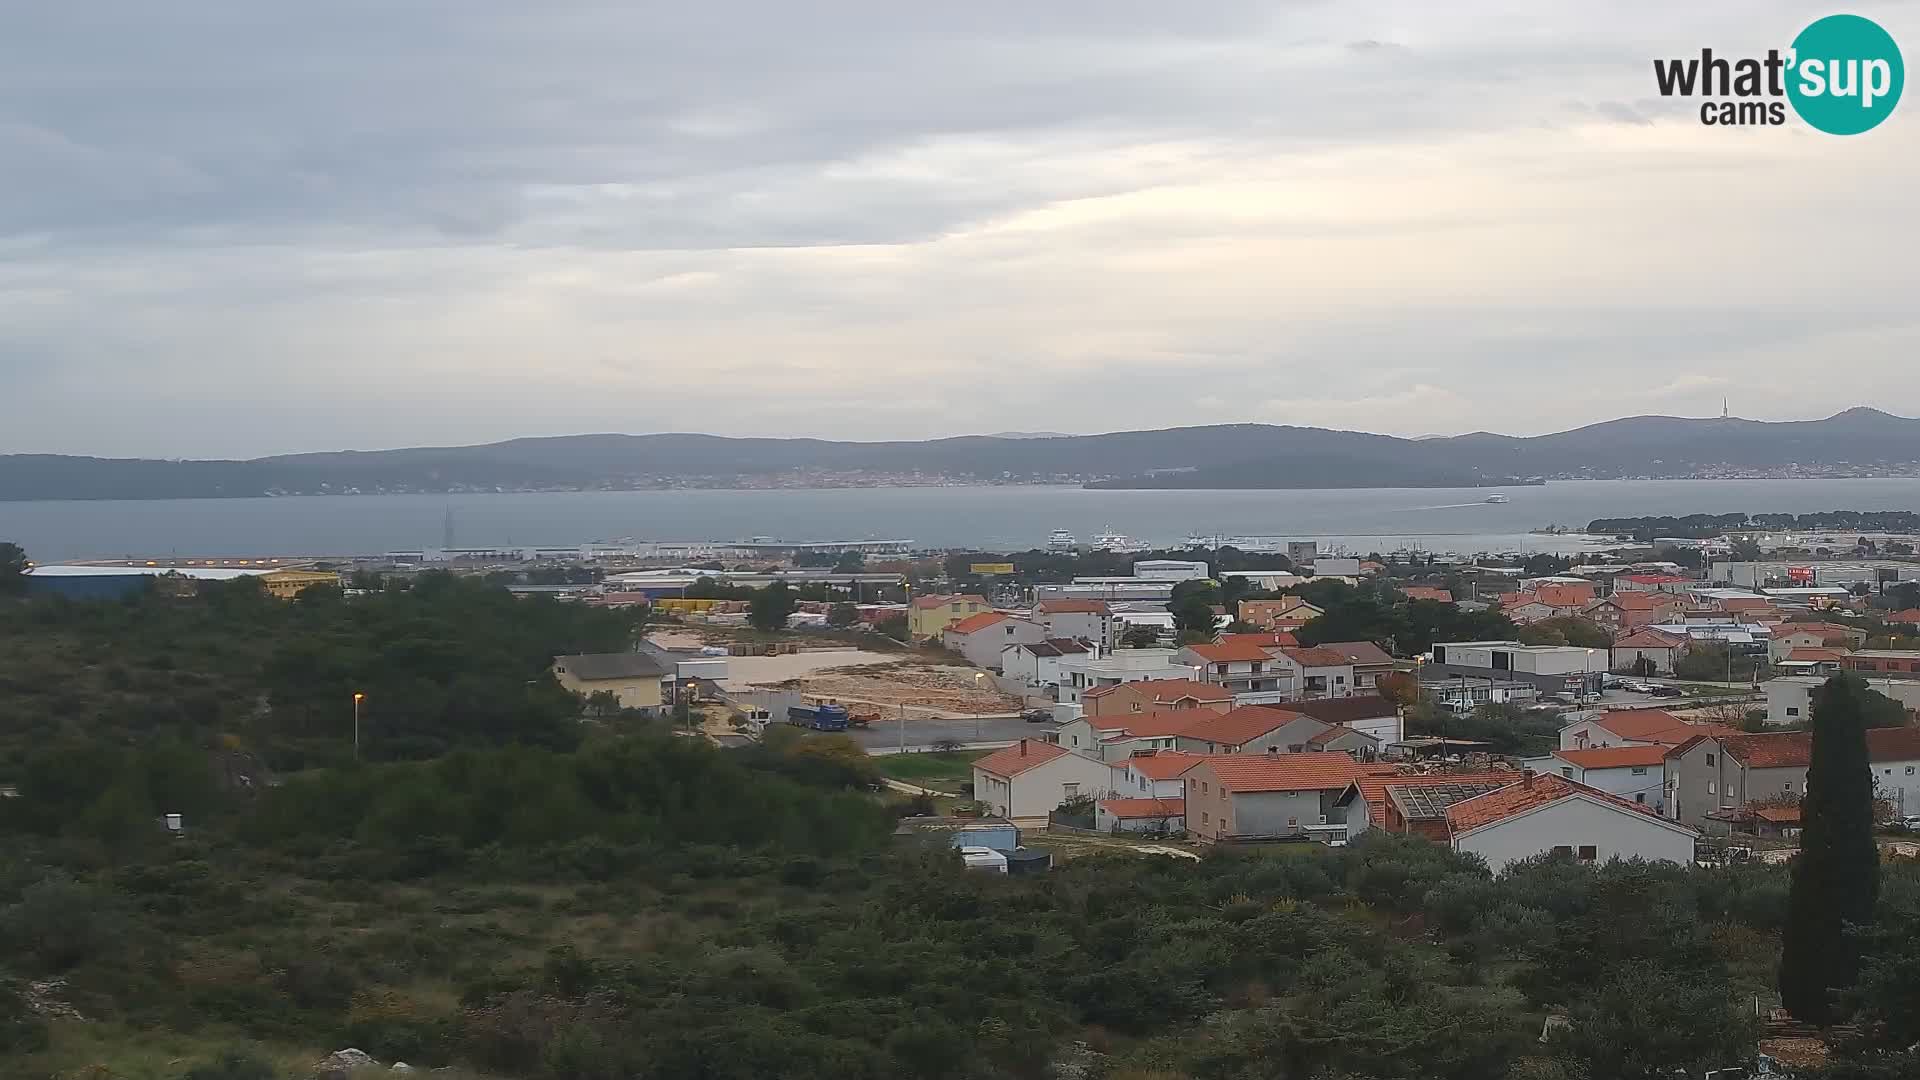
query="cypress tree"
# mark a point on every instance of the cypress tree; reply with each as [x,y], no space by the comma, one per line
[1837,874]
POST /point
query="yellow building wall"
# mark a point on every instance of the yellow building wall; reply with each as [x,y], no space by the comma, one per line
[929,622]
[286,584]
[635,693]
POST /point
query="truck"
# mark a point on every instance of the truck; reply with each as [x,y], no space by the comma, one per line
[827,717]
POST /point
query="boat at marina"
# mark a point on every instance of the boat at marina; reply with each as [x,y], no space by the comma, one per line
[1498,498]
[1060,540]
[1117,542]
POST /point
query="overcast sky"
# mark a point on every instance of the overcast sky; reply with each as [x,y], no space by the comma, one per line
[230,229]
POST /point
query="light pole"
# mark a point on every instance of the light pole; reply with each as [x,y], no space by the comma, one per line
[358,697]
[980,679]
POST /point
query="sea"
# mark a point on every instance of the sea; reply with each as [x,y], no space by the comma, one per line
[983,518]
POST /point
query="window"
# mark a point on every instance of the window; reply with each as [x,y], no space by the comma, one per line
[1709,759]
[1711,789]
[1203,787]
[1562,849]
[1204,819]
[1640,796]
[1589,853]
[1069,790]
[1909,770]
[1136,707]
[1340,679]
[1566,771]
[1793,710]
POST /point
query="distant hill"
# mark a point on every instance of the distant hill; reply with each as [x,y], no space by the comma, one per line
[1221,456]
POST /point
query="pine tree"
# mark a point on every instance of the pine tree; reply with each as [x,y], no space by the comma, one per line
[1836,877]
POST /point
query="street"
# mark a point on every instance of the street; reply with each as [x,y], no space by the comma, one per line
[885,735]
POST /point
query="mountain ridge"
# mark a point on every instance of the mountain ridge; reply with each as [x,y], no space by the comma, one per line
[1233,456]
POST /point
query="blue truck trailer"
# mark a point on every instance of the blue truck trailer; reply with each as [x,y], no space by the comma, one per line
[827,717]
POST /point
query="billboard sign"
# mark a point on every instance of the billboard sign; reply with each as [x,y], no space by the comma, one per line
[987,569]
[1800,575]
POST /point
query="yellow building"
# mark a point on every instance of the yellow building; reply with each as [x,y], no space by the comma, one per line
[635,678]
[286,584]
[929,616]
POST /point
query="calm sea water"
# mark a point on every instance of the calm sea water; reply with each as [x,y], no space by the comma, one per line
[992,518]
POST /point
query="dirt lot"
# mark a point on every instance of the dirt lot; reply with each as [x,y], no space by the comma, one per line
[926,689]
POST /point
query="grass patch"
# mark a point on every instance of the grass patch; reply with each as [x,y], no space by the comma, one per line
[940,771]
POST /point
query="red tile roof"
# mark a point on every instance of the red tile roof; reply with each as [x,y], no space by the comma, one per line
[1817,655]
[1237,652]
[1358,652]
[1564,595]
[1656,726]
[1373,788]
[1614,757]
[1779,815]
[1528,794]
[1318,656]
[1162,764]
[1244,773]
[973,623]
[1236,727]
[1655,579]
[1342,710]
[1134,809]
[1169,690]
[1018,758]
[1426,592]
[1070,607]
[1634,600]
[1648,639]
[1775,750]
[1149,725]
[1910,615]
[1893,744]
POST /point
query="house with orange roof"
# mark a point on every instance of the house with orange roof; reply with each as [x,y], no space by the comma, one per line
[1549,813]
[1368,661]
[1426,592]
[1251,729]
[981,638]
[1152,774]
[1647,651]
[1410,803]
[1116,737]
[1083,620]
[1527,608]
[1321,671]
[1156,695]
[1625,612]
[1287,613]
[1030,779]
[1671,583]
[1153,817]
[1634,773]
[927,616]
[1907,617]
[1266,797]
[1633,727]
[1714,774]
[1266,639]
[1239,668]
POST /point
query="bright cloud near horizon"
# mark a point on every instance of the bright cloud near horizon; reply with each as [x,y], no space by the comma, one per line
[242,229]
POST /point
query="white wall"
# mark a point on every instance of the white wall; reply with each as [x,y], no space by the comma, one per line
[1646,787]
[1573,821]
[982,647]
[1040,790]
[1789,701]
[1898,782]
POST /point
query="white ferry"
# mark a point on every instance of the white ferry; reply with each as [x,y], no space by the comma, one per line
[1060,540]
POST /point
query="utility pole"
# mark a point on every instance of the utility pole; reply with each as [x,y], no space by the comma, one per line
[358,697]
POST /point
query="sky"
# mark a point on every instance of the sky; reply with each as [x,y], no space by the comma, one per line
[231,229]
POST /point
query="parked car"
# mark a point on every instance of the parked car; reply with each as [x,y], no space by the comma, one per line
[1666,691]
[1036,716]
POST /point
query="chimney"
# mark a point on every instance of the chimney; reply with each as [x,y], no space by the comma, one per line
[1023,749]
[1526,778]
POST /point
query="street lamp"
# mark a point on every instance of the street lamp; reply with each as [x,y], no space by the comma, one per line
[358,697]
[980,679]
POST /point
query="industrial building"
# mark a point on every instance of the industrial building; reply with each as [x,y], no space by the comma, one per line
[79,582]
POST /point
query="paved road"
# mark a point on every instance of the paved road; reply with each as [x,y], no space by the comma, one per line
[1002,729]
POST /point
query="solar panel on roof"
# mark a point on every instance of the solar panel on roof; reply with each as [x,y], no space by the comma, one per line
[1421,801]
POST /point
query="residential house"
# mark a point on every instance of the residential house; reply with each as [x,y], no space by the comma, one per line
[1634,727]
[1287,613]
[1249,729]
[1813,662]
[1116,738]
[928,616]
[1527,609]
[1265,639]
[1884,663]
[1670,583]
[1321,671]
[1361,745]
[1426,592]
[1790,636]
[1038,663]
[1790,698]
[636,679]
[1081,620]
[1550,668]
[1368,661]
[1647,652]
[1156,695]
[1625,612]
[1894,757]
[1540,814]
[1150,816]
[1091,672]
[1714,772]
[1634,773]
[1369,714]
[1410,803]
[980,638]
[1260,796]
[1908,617]
[1239,668]
[1151,774]
[1031,779]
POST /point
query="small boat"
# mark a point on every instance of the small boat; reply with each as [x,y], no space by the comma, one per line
[1498,498]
